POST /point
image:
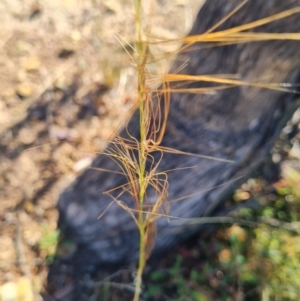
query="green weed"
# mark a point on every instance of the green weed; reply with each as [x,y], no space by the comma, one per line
[48,242]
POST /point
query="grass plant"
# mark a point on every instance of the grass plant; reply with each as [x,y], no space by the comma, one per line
[132,155]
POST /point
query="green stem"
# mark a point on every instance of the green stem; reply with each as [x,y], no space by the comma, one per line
[142,147]
[138,280]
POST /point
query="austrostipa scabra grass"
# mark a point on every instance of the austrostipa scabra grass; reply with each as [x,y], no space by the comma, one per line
[139,157]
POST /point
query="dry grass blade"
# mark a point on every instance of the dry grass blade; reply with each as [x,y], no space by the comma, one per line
[178,152]
[219,80]
[236,34]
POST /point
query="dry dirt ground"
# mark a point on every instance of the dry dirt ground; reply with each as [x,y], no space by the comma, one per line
[66,83]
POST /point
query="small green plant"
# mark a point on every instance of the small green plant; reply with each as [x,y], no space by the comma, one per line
[279,248]
[183,287]
[272,258]
[48,241]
